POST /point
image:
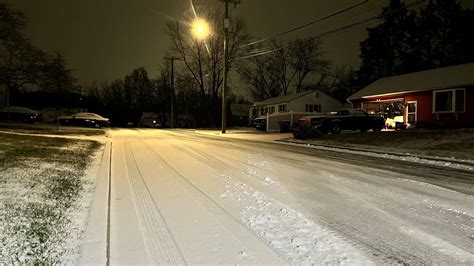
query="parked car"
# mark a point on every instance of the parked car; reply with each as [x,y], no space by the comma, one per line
[351,119]
[344,119]
[308,127]
[260,123]
[23,114]
[84,119]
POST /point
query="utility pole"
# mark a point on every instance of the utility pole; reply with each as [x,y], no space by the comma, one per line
[226,60]
[171,60]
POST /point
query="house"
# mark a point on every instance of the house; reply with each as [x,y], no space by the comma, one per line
[239,114]
[292,106]
[438,97]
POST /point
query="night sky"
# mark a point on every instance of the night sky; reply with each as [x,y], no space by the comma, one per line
[107,39]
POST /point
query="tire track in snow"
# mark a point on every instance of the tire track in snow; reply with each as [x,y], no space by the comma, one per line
[381,251]
[160,243]
[311,244]
[457,179]
[218,164]
[380,248]
[215,203]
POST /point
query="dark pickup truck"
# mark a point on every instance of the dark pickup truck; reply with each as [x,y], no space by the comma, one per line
[351,119]
[344,119]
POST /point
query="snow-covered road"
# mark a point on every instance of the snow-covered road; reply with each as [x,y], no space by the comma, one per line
[183,198]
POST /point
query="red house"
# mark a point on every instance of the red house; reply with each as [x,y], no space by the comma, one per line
[438,97]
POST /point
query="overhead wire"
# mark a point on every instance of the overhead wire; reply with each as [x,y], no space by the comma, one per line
[260,50]
[326,34]
[305,25]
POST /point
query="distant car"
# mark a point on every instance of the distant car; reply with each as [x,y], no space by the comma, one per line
[152,121]
[84,119]
[23,114]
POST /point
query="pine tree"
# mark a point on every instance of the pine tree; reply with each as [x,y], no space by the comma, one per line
[390,48]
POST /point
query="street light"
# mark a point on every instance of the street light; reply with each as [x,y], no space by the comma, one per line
[200,29]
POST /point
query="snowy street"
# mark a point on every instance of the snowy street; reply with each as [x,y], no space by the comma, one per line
[178,197]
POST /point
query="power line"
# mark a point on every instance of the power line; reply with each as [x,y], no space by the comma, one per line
[379,6]
[305,25]
[328,33]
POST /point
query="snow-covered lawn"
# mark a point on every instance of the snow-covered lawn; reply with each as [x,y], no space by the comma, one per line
[457,144]
[45,190]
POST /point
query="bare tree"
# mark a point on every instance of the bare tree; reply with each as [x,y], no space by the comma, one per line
[21,63]
[203,60]
[344,82]
[306,58]
[286,68]
[138,88]
[262,78]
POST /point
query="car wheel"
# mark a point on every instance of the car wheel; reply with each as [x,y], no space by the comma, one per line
[377,129]
[296,134]
[336,129]
[96,125]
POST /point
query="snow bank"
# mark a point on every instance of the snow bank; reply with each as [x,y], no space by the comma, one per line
[297,238]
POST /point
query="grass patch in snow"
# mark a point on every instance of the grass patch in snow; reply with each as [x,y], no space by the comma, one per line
[50,129]
[443,143]
[41,181]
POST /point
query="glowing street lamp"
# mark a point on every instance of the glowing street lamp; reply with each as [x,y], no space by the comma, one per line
[200,29]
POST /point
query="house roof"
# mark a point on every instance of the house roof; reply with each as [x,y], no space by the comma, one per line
[440,78]
[282,99]
[240,109]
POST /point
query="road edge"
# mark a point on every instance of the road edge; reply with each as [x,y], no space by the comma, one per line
[467,163]
[94,246]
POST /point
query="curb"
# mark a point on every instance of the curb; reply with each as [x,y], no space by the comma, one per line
[94,247]
[342,148]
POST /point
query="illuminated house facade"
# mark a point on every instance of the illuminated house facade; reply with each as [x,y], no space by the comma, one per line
[303,102]
[442,97]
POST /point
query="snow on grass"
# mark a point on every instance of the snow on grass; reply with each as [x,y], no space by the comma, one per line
[297,238]
[42,197]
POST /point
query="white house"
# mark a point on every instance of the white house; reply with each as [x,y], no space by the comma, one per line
[292,106]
